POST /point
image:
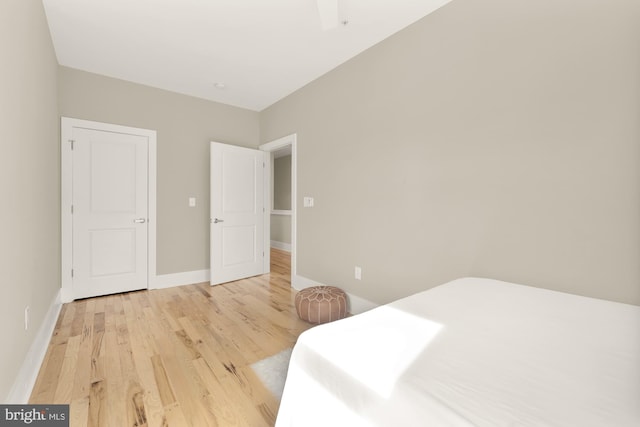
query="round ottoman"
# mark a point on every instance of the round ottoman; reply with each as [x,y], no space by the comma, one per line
[321,304]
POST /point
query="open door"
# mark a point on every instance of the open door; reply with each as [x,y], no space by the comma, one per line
[237,213]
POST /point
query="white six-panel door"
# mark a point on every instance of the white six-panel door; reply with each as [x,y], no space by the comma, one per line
[237,213]
[110,212]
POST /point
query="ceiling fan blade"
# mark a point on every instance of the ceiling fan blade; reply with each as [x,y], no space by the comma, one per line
[328,10]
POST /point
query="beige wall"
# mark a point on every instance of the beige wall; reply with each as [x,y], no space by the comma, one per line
[281,228]
[497,138]
[282,183]
[185,126]
[29,180]
[281,224]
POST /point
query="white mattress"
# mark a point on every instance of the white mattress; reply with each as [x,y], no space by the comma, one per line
[472,352]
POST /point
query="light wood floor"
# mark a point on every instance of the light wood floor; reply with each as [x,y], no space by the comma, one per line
[176,357]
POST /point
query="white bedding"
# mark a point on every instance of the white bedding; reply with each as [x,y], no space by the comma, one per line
[472,352]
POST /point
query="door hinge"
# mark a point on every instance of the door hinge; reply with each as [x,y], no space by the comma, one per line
[72,272]
[71,209]
[264,165]
[72,141]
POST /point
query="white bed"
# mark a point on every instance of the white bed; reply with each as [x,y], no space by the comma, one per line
[472,352]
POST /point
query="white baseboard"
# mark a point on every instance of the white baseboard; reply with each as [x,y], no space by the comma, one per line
[357,304]
[300,282]
[65,295]
[281,245]
[360,305]
[179,279]
[28,373]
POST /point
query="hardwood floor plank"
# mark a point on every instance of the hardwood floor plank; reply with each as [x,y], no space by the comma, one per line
[82,377]
[218,402]
[97,353]
[114,379]
[172,357]
[78,317]
[97,401]
[136,412]
[78,411]
[164,387]
[49,375]
[149,402]
[62,330]
[174,416]
[67,373]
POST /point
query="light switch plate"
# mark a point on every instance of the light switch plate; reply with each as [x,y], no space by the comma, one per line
[192,202]
[308,202]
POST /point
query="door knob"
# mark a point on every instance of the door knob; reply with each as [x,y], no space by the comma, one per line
[139,220]
[216,220]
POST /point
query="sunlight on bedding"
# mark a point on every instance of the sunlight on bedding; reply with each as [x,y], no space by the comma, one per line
[319,406]
[392,340]
[470,353]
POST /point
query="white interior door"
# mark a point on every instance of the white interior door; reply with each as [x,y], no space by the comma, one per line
[237,213]
[110,212]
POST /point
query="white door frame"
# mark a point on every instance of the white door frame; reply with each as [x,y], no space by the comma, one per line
[278,144]
[66,196]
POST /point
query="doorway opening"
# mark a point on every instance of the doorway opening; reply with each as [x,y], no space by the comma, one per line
[280,229]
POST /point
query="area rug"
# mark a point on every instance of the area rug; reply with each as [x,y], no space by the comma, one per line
[272,371]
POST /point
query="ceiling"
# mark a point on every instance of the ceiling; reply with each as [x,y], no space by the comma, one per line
[256,51]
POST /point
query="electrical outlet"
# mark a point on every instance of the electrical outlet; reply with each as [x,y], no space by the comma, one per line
[26,318]
[358,273]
